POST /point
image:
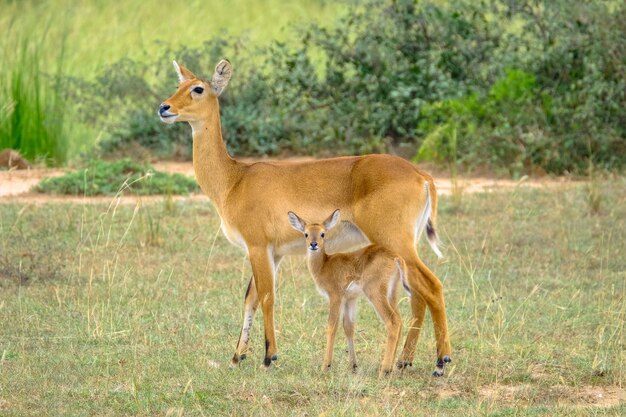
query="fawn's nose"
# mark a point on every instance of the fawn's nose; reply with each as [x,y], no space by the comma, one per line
[163,108]
[313,245]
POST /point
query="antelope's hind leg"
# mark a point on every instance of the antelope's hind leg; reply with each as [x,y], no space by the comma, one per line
[418,309]
[423,282]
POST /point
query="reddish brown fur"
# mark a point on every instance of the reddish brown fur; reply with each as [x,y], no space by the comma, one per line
[382,195]
[374,270]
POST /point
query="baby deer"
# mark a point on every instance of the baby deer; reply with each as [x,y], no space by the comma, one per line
[341,277]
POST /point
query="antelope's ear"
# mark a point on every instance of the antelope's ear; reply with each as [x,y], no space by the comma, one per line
[296,222]
[223,72]
[332,221]
[183,73]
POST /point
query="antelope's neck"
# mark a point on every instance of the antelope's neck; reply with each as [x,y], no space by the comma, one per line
[216,171]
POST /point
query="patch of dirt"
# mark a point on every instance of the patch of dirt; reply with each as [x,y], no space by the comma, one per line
[585,396]
[16,185]
[598,396]
[504,393]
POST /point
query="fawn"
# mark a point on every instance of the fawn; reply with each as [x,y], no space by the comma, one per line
[342,277]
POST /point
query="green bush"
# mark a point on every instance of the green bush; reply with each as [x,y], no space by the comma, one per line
[111,178]
[521,84]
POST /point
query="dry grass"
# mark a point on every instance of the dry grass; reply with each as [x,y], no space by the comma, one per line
[135,310]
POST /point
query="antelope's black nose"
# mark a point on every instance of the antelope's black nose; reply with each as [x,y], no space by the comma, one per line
[163,108]
[313,245]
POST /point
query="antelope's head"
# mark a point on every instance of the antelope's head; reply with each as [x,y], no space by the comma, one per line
[315,233]
[194,96]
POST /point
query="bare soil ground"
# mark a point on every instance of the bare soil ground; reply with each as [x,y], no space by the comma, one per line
[16,185]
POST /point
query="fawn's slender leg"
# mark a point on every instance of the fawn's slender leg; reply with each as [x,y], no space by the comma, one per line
[393,324]
[250,305]
[331,329]
[349,317]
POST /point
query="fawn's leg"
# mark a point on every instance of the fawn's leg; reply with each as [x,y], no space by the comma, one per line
[393,324]
[331,329]
[349,317]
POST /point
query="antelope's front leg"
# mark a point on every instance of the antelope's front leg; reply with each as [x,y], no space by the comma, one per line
[251,303]
[263,271]
[331,330]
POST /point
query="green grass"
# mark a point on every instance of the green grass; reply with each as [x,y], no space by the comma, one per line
[32,116]
[101,32]
[118,177]
[135,310]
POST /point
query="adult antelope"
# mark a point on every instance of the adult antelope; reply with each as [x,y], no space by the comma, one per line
[383,200]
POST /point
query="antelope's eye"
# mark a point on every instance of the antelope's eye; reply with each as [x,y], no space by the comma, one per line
[306,235]
[198,90]
[322,235]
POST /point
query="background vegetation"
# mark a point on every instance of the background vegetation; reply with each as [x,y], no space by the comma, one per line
[523,86]
[120,177]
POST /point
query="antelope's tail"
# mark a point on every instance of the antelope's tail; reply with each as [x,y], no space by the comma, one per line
[428,220]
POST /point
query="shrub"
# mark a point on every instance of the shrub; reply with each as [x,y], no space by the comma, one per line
[522,85]
[109,178]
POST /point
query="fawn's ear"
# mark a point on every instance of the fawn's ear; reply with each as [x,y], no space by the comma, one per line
[296,222]
[332,221]
[221,76]
[183,73]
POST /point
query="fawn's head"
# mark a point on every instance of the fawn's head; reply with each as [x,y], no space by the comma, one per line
[314,233]
[194,96]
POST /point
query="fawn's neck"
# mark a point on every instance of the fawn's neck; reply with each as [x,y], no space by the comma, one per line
[216,171]
[315,261]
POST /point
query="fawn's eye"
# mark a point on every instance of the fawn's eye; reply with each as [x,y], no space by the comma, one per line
[322,235]
[198,90]
[306,235]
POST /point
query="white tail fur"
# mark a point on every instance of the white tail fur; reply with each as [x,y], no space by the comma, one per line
[424,222]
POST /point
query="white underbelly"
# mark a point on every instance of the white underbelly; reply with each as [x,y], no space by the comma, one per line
[234,237]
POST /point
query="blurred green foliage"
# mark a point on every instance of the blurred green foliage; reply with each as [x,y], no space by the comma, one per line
[520,85]
[123,176]
[32,110]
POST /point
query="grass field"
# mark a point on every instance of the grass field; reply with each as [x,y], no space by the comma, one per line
[97,33]
[135,310]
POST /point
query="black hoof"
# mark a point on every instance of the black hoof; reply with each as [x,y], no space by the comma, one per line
[267,362]
[274,357]
[404,364]
[242,357]
[441,364]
